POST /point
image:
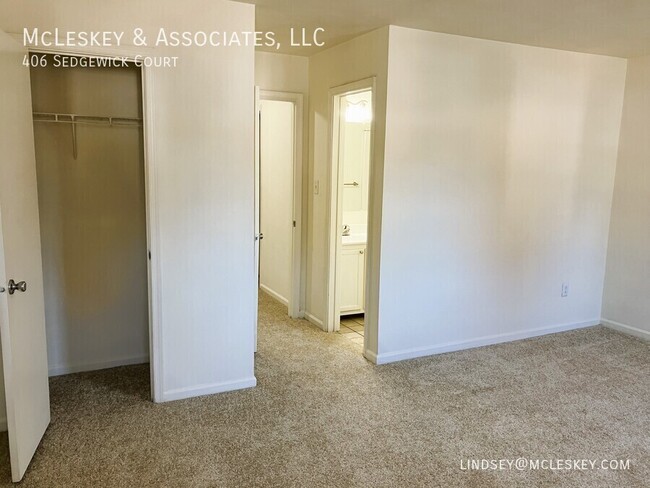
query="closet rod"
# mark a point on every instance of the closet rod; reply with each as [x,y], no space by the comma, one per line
[74,119]
[85,119]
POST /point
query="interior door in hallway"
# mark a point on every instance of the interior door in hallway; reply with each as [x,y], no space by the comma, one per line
[276,197]
[22,315]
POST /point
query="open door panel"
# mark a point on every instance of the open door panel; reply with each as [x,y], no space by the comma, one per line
[22,311]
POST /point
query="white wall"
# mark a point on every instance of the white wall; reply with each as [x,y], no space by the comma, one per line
[282,72]
[286,73]
[359,58]
[498,178]
[276,197]
[202,155]
[626,303]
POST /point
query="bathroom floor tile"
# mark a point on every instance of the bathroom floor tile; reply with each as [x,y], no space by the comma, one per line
[346,330]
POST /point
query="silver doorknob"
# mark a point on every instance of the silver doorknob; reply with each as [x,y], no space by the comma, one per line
[14,287]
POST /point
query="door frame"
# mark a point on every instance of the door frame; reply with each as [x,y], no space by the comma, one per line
[295,305]
[152,223]
[335,197]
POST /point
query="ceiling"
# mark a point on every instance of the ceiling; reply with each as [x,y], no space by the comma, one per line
[612,27]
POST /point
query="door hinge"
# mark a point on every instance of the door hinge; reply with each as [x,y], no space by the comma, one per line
[294,223]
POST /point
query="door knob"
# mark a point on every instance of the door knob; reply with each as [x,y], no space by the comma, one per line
[14,287]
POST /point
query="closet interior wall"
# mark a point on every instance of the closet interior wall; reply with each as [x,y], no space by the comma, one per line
[92,215]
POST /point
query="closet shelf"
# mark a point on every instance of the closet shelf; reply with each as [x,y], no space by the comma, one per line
[85,119]
[74,119]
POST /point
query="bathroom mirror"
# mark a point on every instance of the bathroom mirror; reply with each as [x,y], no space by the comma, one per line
[355,150]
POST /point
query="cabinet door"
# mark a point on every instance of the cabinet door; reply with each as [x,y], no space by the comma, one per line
[361,273]
[350,283]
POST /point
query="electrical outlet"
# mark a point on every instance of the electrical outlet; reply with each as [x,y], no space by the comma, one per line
[565,289]
[316,187]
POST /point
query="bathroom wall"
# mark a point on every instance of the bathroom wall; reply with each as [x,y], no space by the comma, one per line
[498,178]
[355,161]
[92,216]
[626,303]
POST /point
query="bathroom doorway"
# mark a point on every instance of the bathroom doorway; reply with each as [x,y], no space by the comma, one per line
[352,137]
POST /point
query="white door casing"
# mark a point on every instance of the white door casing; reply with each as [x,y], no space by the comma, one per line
[22,314]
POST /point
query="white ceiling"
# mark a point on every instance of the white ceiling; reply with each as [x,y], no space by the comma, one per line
[612,27]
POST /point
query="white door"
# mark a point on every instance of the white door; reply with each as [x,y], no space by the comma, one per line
[22,313]
[256,176]
[276,198]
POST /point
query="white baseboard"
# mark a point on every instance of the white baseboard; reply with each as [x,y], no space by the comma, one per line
[370,356]
[274,295]
[315,320]
[209,389]
[78,368]
[3,424]
[627,329]
[416,352]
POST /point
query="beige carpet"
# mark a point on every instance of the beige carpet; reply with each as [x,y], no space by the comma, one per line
[323,416]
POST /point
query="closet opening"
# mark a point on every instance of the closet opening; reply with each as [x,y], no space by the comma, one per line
[90,166]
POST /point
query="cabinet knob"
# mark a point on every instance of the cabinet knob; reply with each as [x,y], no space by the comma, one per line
[361,252]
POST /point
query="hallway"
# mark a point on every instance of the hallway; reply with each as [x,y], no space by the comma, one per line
[322,415]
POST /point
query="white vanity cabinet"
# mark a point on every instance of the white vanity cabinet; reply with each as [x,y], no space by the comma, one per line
[352,279]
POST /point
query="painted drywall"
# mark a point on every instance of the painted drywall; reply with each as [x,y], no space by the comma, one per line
[92,219]
[359,58]
[498,178]
[202,166]
[627,280]
[276,197]
[615,28]
[282,72]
